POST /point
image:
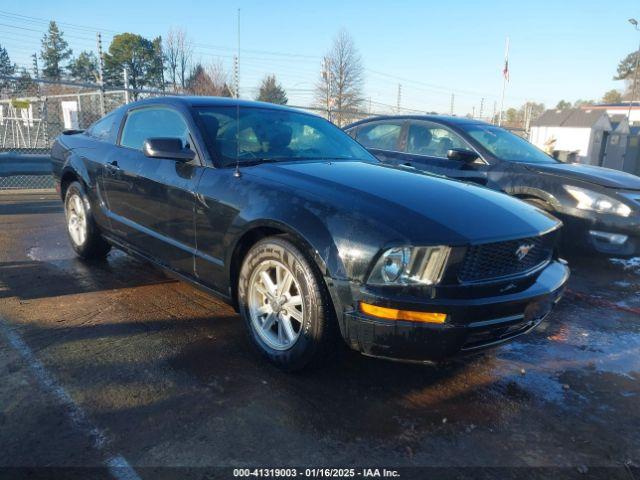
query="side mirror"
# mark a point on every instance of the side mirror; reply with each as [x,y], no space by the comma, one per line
[169,148]
[462,155]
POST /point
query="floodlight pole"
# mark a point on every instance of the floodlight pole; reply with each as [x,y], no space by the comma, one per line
[634,22]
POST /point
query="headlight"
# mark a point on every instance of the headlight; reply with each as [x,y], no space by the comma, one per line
[597,202]
[410,265]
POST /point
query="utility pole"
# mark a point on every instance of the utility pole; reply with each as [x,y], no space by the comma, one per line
[42,104]
[473,112]
[453,97]
[481,108]
[399,98]
[125,73]
[36,72]
[101,72]
[633,22]
[326,75]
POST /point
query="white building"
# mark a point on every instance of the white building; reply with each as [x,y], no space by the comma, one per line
[581,133]
[620,109]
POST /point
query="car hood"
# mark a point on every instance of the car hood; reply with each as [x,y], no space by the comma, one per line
[419,207]
[605,177]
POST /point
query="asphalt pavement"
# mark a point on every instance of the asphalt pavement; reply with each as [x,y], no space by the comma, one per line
[114,370]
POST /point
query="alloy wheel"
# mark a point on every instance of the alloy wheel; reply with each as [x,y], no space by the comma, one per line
[76,219]
[275,305]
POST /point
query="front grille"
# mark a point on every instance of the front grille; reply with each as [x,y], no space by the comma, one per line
[496,260]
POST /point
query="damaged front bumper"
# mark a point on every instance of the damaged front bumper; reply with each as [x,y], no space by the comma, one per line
[471,324]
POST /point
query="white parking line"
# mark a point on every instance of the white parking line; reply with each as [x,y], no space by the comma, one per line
[117,465]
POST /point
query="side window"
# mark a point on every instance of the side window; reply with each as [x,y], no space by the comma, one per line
[380,135]
[104,129]
[153,122]
[432,140]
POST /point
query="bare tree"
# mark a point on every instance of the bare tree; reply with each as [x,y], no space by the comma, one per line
[340,88]
[221,80]
[178,52]
[172,55]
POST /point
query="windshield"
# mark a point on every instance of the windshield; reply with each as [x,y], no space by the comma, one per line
[252,135]
[504,145]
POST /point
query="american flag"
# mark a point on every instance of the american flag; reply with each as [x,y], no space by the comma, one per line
[505,70]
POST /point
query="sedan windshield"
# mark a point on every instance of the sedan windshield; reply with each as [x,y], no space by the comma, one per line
[254,135]
[504,145]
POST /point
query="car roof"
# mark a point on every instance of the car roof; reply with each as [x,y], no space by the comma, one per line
[443,119]
[197,101]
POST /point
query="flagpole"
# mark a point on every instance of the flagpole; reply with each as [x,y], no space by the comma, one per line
[505,73]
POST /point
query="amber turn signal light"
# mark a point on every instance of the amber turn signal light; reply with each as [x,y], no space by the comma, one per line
[394,314]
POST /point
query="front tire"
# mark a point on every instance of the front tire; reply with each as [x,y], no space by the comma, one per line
[83,232]
[285,305]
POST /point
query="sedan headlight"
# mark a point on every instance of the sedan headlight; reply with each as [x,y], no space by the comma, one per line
[410,265]
[597,202]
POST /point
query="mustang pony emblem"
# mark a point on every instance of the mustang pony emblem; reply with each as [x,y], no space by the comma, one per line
[523,250]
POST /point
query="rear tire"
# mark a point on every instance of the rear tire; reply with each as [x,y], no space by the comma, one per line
[285,305]
[83,232]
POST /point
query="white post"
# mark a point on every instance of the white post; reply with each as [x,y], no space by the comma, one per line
[125,73]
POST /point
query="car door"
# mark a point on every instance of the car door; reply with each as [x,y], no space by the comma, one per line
[152,199]
[98,142]
[426,148]
[382,138]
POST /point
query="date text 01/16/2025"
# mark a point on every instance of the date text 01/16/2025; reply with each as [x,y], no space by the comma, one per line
[316,473]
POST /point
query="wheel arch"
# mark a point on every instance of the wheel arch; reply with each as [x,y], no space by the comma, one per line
[74,170]
[259,230]
[525,193]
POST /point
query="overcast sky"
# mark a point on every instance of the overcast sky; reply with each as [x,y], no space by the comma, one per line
[559,49]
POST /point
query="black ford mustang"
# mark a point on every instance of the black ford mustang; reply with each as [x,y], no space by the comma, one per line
[600,207]
[287,218]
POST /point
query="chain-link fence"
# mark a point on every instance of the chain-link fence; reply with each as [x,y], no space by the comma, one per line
[33,112]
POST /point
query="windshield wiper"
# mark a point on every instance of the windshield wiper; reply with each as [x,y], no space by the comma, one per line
[335,158]
[258,160]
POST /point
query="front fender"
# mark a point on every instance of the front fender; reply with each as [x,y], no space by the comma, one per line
[311,232]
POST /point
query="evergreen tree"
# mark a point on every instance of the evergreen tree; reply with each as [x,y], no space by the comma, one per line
[140,57]
[612,96]
[84,68]
[6,68]
[55,52]
[209,80]
[271,91]
[25,86]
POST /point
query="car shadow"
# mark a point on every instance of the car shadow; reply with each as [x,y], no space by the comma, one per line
[33,279]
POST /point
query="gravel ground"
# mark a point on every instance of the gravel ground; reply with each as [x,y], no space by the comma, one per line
[122,372]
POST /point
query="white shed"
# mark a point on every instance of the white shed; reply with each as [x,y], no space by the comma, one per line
[573,130]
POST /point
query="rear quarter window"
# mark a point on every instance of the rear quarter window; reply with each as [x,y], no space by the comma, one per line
[105,129]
